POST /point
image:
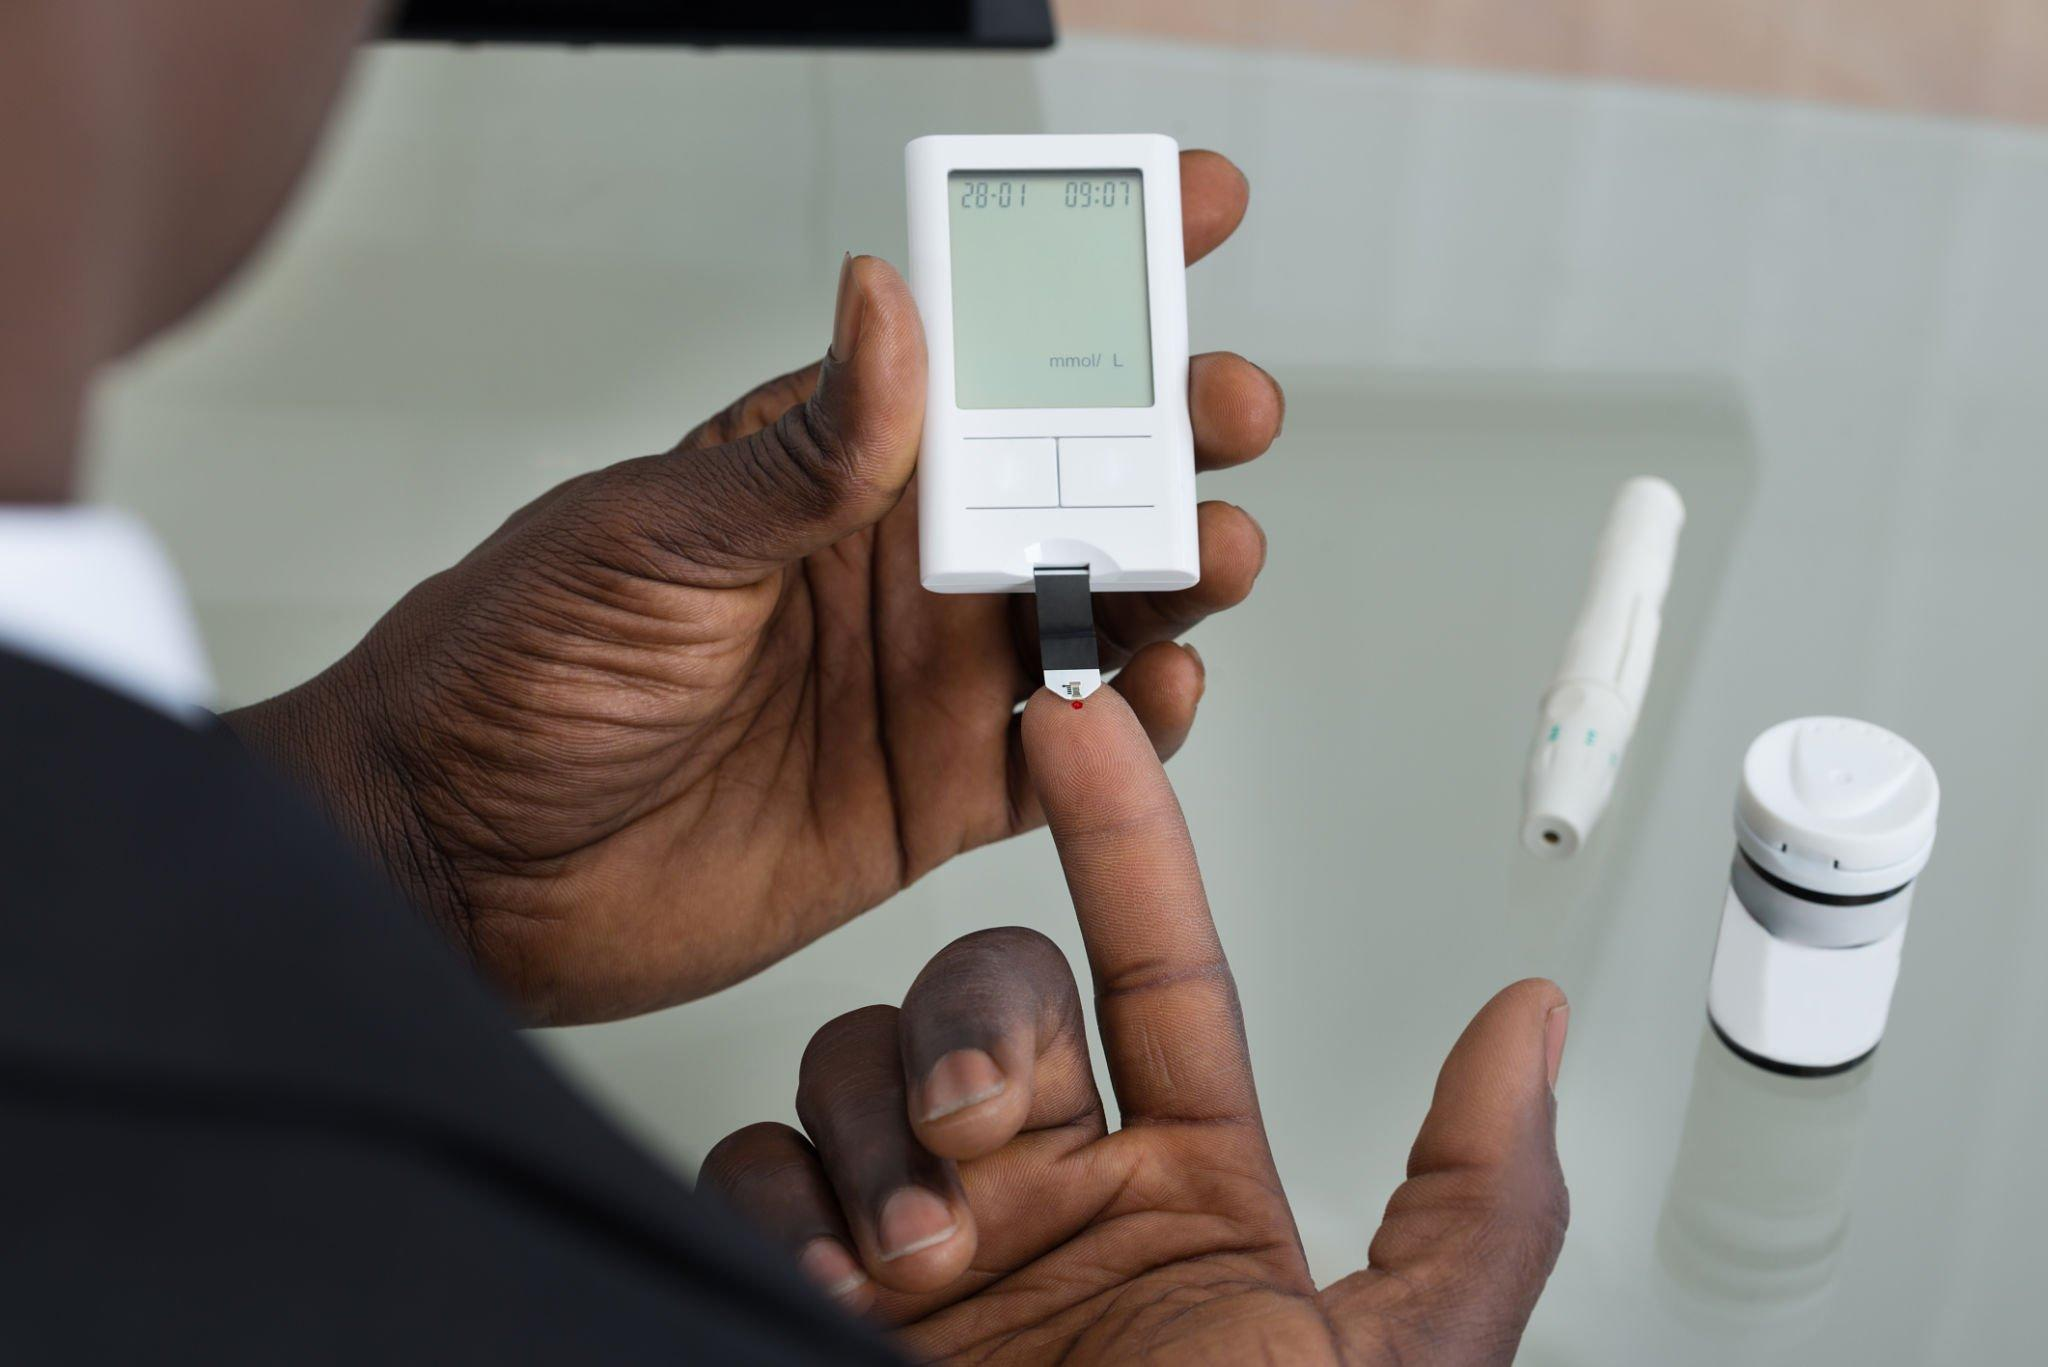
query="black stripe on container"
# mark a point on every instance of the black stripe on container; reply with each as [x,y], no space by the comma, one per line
[1771,1065]
[1826,899]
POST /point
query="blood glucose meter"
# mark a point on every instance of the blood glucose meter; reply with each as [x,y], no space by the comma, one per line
[1049,273]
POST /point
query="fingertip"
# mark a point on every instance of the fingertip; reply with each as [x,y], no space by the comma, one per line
[1237,408]
[874,276]
[870,395]
[884,294]
[1233,550]
[922,1240]
[1083,759]
[977,1128]
[1541,1007]
[1164,684]
[1214,196]
[848,313]
[968,1105]
[833,1269]
[1052,725]
[1516,1029]
[976,1025]
[1213,159]
[1172,668]
[961,1080]
[1493,1094]
[1264,404]
[1146,713]
[1531,998]
[868,312]
[1555,1025]
[1278,397]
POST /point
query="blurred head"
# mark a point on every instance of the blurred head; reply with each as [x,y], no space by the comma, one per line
[147,144]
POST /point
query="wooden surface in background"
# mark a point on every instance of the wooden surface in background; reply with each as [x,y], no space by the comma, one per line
[1984,58]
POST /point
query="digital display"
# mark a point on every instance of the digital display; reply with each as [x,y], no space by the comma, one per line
[1050,308]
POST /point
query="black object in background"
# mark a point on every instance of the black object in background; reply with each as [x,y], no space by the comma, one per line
[796,23]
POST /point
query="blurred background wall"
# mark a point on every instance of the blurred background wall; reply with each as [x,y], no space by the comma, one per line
[1986,57]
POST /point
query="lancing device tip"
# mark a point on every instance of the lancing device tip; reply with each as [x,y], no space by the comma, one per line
[1589,711]
[1066,631]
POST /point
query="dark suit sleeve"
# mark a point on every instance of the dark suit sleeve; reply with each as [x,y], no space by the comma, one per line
[252,1110]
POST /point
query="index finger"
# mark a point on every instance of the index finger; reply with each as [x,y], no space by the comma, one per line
[1164,997]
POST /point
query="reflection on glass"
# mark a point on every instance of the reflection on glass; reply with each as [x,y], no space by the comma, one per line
[1758,1206]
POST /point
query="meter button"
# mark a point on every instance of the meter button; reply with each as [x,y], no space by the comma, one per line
[1009,472]
[1111,472]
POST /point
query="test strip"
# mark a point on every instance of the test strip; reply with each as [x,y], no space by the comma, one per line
[1066,631]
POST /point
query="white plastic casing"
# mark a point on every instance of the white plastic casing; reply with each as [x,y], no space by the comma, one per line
[1588,714]
[1797,1005]
[1844,810]
[1117,488]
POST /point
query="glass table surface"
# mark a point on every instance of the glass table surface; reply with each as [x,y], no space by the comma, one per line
[1490,300]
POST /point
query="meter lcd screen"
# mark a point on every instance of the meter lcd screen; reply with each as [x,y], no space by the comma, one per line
[1049,298]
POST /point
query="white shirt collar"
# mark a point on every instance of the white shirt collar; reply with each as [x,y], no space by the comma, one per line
[89,590]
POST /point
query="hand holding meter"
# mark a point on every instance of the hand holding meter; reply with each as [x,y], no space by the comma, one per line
[1048,271]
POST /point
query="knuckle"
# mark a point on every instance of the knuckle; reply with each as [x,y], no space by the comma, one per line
[1521,1218]
[986,982]
[621,522]
[1481,1206]
[706,505]
[851,1032]
[821,464]
[716,430]
[752,410]
[778,396]
[1002,948]
[1551,1217]
[845,1059]
[750,1155]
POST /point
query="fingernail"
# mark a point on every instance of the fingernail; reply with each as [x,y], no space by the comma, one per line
[963,1078]
[831,1268]
[846,313]
[913,1220]
[1554,1026]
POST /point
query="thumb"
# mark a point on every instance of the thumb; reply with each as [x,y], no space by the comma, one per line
[1469,1239]
[829,466]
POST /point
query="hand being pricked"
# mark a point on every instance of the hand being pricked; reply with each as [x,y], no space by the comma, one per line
[956,1177]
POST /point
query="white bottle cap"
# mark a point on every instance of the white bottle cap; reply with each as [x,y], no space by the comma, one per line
[1836,806]
[1835,817]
